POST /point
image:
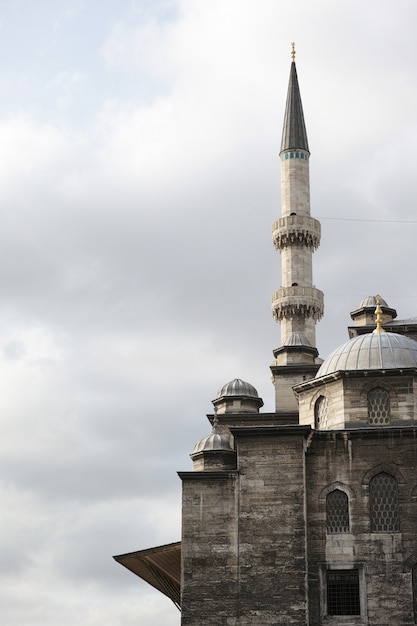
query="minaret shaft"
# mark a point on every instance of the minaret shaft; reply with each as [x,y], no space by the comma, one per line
[297,305]
[295,183]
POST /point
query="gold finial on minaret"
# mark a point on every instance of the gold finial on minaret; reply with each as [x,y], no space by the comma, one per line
[293,51]
[378,314]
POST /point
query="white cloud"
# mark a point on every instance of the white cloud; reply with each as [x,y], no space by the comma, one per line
[137,262]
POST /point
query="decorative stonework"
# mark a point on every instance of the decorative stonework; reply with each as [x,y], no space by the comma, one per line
[296,230]
[290,302]
[295,155]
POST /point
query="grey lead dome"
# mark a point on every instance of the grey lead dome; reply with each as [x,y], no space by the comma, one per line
[372,351]
[297,339]
[371,301]
[214,442]
[237,387]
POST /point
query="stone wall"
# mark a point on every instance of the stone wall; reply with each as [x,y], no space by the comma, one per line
[272,554]
[209,548]
[347,461]
[346,394]
[256,548]
[243,544]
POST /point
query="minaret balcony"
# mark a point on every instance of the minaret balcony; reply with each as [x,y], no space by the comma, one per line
[290,302]
[296,230]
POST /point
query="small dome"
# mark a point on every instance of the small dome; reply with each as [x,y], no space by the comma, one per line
[237,387]
[372,351]
[297,339]
[214,442]
[371,302]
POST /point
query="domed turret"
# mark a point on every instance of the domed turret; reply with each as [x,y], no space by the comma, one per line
[364,315]
[237,396]
[213,452]
[214,441]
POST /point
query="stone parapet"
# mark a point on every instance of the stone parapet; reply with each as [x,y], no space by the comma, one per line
[296,230]
[289,302]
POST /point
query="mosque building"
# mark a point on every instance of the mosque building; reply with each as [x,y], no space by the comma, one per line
[308,515]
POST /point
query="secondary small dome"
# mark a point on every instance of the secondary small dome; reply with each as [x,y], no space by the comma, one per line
[237,387]
[237,396]
[372,351]
[215,441]
[364,315]
[371,301]
[214,452]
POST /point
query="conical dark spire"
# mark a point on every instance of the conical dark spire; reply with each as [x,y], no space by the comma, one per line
[294,134]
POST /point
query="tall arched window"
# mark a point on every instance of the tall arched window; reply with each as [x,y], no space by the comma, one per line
[337,512]
[383,502]
[378,407]
[320,413]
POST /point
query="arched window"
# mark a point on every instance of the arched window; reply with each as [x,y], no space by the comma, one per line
[378,407]
[320,413]
[337,512]
[383,502]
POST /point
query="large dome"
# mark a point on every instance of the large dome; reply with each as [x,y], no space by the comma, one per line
[373,351]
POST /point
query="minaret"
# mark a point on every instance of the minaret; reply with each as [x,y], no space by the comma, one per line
[297,305]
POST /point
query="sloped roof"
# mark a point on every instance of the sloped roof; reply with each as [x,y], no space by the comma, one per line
[160,567]
[294,134]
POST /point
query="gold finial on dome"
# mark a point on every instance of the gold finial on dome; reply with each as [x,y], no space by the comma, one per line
[378,314]
[293,51]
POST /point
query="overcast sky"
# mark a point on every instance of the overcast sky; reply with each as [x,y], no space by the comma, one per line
[139,178]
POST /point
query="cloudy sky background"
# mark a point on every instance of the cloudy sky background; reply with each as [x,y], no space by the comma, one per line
[139,177]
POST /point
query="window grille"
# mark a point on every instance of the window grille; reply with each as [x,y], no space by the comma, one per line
[378,407]
[320,413]
[383,500]
[343,596]
[337,512]
[414,591]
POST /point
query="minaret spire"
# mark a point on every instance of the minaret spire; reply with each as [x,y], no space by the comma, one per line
[294,134]
[297,305]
